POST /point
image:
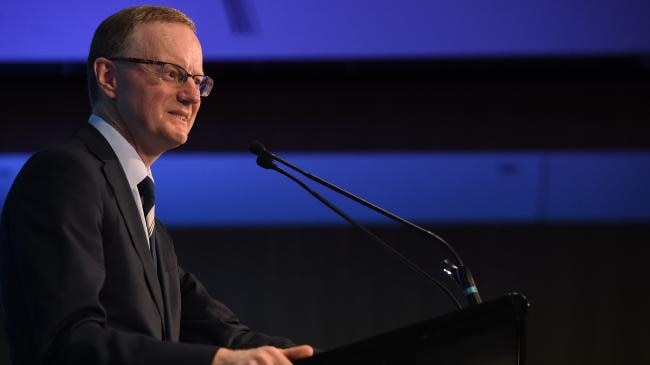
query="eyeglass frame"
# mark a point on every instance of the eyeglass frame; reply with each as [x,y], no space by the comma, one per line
[209,82]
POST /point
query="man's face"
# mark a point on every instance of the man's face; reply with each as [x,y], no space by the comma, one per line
[159,114]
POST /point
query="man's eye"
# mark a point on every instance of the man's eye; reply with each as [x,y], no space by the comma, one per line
[173,74]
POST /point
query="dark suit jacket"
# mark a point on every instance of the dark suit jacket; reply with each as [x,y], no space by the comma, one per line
[78,280]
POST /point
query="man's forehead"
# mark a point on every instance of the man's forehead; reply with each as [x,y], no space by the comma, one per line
[150,34]
[163,40]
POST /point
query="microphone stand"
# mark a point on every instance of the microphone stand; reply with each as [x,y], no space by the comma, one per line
[458,271]
[267,163]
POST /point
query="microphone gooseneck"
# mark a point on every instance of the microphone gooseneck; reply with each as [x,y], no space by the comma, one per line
[458,272]
[267,163]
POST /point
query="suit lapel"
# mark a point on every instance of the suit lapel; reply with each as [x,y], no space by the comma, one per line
[117,180]
[166,278]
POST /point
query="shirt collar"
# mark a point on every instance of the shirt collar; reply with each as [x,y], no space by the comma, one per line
[132,164]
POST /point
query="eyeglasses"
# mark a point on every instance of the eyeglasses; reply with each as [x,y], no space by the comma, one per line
[174,73]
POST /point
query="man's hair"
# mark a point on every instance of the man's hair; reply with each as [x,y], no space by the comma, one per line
[111,38]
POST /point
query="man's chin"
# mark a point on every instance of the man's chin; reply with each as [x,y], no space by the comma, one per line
[171,138]
[178,140]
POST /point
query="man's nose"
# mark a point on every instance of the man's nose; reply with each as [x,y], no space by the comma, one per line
[190,93]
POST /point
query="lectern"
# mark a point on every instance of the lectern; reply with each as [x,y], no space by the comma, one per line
[491,333]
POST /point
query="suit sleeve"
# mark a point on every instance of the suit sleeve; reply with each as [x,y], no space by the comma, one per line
[208,321]
[53,271]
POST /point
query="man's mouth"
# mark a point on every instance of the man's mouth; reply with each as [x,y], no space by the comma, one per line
[180,115]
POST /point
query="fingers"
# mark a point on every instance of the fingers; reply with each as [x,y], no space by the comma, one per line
[266,355]
[298,352]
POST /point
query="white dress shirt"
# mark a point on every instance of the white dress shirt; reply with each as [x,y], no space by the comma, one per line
[133,166]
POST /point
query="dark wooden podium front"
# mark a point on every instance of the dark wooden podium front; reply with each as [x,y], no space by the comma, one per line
[491,333]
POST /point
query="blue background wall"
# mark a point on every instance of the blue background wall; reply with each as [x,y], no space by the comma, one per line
[287,29]
[230,190]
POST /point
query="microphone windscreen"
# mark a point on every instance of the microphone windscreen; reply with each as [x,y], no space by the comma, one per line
[256,148]
[264,161]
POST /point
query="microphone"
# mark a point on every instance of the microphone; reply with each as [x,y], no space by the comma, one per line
[266,162]
[458,272]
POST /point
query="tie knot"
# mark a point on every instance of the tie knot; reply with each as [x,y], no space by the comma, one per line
[146,188]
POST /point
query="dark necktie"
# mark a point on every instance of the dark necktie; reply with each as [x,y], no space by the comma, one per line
[147,197]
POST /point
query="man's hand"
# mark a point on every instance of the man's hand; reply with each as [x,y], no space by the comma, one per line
[266,355]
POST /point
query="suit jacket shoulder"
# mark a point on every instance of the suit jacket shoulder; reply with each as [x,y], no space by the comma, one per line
[76,283]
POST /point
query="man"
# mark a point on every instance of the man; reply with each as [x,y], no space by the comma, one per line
[88,275]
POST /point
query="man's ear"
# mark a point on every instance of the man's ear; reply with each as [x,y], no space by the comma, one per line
[106,76]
